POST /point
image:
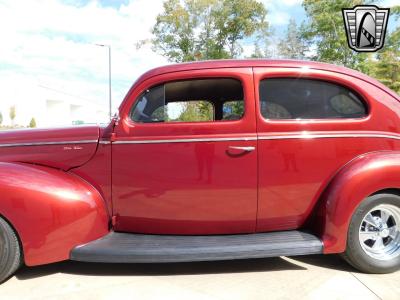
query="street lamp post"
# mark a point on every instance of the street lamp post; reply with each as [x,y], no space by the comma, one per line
[109,77]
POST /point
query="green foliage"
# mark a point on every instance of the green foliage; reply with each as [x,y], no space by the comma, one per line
[205,110]
[196,111]
[326,32]
[234,107]
[258,53]
[262,44]
[159,114]
[1,118]
[387,67]
[188,112]
[32,123]
[292,46]
[191,30]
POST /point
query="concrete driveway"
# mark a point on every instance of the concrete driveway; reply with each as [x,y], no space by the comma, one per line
[308,277]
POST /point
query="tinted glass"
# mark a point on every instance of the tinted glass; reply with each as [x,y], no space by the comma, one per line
[190,111]
[293,98]
[196,100]
[233,110]
[150,106]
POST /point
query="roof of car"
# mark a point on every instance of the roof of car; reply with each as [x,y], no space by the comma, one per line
[236,63]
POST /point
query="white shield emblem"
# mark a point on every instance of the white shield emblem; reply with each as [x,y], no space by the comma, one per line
[365,27]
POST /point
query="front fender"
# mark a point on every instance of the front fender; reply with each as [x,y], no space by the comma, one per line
[51,210]
[360,178]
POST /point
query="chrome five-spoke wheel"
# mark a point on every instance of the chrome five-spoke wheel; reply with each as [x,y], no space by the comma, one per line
[373,238]
[379,232]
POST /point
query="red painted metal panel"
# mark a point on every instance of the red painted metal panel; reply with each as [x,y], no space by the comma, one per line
[59,147]
[187,187]
[366,175]
[97,170]
[298,158]
[51,210]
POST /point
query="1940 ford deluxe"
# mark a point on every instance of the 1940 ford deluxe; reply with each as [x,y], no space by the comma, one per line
[213,160]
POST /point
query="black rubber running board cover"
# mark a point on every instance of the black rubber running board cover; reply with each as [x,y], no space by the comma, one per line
[143,248]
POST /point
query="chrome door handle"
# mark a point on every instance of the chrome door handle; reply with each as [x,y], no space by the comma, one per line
[246,149]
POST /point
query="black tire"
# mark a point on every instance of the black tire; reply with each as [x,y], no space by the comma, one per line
[10,251]
[354,253]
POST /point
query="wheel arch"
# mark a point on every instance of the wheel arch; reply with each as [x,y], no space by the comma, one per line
[369,174]
[16,234]
[390,190]
[50,210]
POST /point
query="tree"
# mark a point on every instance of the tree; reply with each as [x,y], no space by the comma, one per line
[292,46]
[32,123]
[387,68]
[234,107]
[195,111]
[264,44]
[257,53]
[190,30]
[326,32]
[13,114]
[1,118]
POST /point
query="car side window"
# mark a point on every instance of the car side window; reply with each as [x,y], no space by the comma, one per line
[190,111]
[232,110]
[195,100]
[294,98]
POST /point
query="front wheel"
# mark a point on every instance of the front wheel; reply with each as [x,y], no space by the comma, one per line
[373,242]
[10,252]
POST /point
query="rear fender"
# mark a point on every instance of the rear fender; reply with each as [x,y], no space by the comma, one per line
[51,210]
[360,178]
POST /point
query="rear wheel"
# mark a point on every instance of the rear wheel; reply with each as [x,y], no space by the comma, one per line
[10,252]
[373,243]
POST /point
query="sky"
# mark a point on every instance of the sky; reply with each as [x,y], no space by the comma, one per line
[52,44]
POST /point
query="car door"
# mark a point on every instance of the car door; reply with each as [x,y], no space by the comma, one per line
[185,157]
[310,123]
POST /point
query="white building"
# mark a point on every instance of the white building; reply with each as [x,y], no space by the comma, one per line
[49,107]
[64,109]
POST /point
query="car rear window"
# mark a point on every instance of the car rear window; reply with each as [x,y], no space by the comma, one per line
[294,98]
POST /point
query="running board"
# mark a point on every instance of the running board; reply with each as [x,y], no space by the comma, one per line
[144,248]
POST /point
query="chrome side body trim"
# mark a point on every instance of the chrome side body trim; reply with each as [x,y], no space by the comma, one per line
[48,143]
[222,139]
[332,135]
[267,137]
[187,140]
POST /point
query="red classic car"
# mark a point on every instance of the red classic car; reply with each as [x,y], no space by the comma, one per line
[213,160]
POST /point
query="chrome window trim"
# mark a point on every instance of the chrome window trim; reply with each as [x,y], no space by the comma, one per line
[48,143]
